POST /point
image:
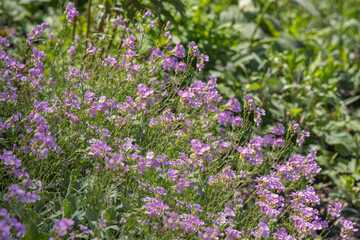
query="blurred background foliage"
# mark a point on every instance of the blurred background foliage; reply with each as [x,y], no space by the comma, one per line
[299,59]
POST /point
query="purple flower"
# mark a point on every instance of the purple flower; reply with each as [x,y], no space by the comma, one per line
[8,224]
[335,210]
[199,147]
[233,233]
[71,12]
[99,148]
[347,229]
[210,233]
[119,22]
[152,24]
[155,208]
[8,158]
[259,112]
[91,49]
[39,54]
[269,182]
[250,103]
[168,26]
[173,174]
[2,54]
[171,221]
[181,66]
[102,222]
[294,126]
[147,14]
[179,51]
[3,41]
[72,51]
[85,230]
[226,117]
[110,60]
[163,160]
[234,104]
[305,133]
[150,155]
[261,230]
[204,58]
[279,129]
[88,96]
[190,223]
[62,226]
[282,235]
[194,48]
[306,196]
[144,91]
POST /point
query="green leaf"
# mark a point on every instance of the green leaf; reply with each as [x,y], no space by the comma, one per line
[343,141]
[225,90]
[254,86]
[296,110]
[31,231]
[308,6]
[110,214]
[91,214]
[66,207]
[351,100]
[116,228]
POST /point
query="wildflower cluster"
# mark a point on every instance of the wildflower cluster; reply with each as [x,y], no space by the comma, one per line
[10,226]
[178,158]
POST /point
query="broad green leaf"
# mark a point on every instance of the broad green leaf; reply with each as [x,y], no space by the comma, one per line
[308,6]
[66,207]
[296,110]
[110,214]
[91,214]
[254,86]
[31,231]
[351,100]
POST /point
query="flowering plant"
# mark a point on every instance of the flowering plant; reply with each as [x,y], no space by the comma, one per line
[144,148]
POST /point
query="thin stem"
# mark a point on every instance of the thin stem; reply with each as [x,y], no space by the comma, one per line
[260,20]
[74,22]
[88,23]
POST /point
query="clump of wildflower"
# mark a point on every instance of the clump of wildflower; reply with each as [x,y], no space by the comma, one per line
[62,226]
[18,194]
[301,138]
[36,32]
[281,234]
[71,12]
[261,230]
[234,105]
[347,229]
[10,226]
[3,41]
[194,49]
[109,61]
[72,51]
[334,211]
[190,223]
[259,112]
[203,58]
[9,159]
[233,234]
[86,230]
[279,129]
[155,207]
[249,103]
[294,127]
[299,166]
